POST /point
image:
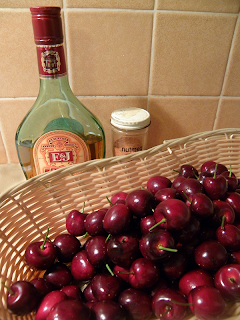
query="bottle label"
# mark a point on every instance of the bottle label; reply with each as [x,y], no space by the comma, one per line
[51,61]
[57,149]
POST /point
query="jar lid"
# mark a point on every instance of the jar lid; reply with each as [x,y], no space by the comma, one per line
[130,118]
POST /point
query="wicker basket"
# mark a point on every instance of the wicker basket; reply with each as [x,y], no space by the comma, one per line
[27,210]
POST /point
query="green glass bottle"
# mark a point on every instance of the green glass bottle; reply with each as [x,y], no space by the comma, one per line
[58,130]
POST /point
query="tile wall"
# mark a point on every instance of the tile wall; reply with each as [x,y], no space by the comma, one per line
[179,59]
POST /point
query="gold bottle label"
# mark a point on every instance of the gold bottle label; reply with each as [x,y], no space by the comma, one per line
[57,149]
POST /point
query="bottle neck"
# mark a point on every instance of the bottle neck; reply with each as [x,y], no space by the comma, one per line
[51,61]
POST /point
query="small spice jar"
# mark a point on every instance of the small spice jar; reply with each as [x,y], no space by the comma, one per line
[129,130]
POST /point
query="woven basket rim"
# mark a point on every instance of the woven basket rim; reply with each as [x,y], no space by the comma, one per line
[105,162]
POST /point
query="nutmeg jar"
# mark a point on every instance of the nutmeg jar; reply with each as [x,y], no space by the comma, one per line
[129,130]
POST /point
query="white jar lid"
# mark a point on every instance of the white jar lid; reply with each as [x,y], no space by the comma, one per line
[130,118]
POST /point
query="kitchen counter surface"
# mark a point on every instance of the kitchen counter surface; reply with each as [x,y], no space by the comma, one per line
[10,176]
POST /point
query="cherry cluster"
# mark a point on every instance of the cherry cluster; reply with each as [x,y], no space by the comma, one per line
[166,251]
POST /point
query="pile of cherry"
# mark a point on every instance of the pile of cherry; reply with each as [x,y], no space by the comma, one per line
[167,251]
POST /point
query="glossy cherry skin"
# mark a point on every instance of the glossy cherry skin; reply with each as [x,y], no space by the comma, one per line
[227,281]
[75,223]
[155,245]
[169,304]
[141,202]
[176,213]
[122,249]
[94,223]
[121,195]
[215,187]
[231,179]
[223,209]
[43,286]
[146,223]
[88,294]
[108,310]
[105,286]
[190,187]
[156,183]
[59,275]
[143,273]
[233,198]
[81,268]
[69,309]
[121,272]
[67,246]
[200,298]
[166,193]
[48,302]
[175,266]
[229,237]
[117,219]
[188,171]
[41,257]
[207,165]
[137,303]
[195,278]
[22,298]
[217,168]
[96,249]
[211,255]
[201,205]
[73,291]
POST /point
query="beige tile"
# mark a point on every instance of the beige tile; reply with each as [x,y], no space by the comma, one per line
[123,4]
[109,51]
[232,79]
[103,107]
[12,112]
[18,63]
[29,3]
[228,115]
[174,117]
[229,6]
[187,59]
[3,158]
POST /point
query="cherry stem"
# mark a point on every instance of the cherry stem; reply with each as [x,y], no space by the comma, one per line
[128,273]
[109,269]
[186,196]
[168,308]
[181,303]
[167,249]
[223,222]
[111,204]
[230,171]
[175,170]
[215,171]
[83,207]
[109,235]
[85,235]
[8,288]
[45,240]
[158,223]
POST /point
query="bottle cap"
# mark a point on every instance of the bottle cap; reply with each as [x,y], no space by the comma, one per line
[130,118]
[47,25]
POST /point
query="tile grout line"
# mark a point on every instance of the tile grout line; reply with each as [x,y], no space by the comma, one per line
[67,55]
[225,74]
[151,56]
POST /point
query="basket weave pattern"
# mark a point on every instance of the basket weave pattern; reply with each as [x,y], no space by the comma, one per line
[27,210]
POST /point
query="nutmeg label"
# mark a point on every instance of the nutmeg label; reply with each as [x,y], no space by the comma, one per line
[57,149]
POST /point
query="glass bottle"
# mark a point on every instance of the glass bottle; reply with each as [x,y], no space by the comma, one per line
[58,130]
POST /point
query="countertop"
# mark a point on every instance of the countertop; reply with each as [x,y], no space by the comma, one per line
[10,176]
